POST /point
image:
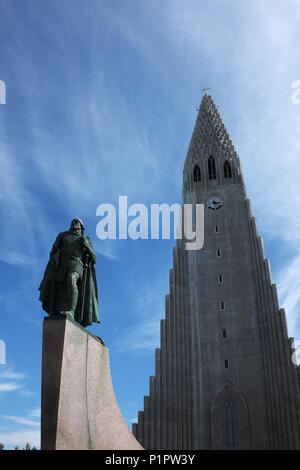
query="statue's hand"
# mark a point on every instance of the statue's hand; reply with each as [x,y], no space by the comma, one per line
[85,241]
[87,244]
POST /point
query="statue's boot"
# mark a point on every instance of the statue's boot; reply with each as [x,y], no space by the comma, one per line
[72,300]
[72,294]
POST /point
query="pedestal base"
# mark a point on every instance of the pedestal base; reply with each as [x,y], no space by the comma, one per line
[79,407]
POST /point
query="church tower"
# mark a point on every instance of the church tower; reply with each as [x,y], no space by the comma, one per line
[224,375]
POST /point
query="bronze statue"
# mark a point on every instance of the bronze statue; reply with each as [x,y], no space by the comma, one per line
[69,285]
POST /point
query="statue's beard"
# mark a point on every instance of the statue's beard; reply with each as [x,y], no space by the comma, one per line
[78,231]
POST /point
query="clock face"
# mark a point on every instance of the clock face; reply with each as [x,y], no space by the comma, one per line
[214,202]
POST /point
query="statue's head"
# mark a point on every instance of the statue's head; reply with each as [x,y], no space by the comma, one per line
[77,226]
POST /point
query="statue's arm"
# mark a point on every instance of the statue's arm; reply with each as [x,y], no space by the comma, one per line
[89,246]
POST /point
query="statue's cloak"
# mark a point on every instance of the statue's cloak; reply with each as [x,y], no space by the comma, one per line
[48,293]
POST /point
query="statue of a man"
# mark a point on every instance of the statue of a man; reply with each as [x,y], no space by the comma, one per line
[69,286]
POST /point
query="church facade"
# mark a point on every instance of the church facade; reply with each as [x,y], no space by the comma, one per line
[224,375]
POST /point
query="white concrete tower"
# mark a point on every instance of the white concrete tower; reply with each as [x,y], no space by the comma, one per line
[224,378]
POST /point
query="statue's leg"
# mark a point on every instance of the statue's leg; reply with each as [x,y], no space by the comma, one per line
[72,291]
[60,297]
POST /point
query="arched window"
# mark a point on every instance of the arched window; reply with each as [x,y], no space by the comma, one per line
[227,169]
[229,425]
[197,174]
[211,168]
[229,417]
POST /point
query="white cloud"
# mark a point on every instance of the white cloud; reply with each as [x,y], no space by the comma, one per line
[17,259]
[142,337]
[28,393]
[9,387]
[35,413]
[8,373]
[20,420]
[11,381]
[107,251]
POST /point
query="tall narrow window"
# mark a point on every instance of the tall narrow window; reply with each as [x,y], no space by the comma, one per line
[229,425]
[224,334]
[218,253]
[220,278]
[211,168]
[197,174]
[226,364]
[222,305]
[217,229]
[227,169]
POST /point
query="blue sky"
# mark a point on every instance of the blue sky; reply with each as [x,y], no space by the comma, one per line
[101,99]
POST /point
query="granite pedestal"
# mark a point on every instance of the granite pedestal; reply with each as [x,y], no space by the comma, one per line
[79,407]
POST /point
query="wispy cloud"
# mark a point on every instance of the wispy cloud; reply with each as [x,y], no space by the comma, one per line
[28,393]
[11,381]
[8,373]
[289,292]
[17,259]
[9,387]
[35,413]
[107,252]
[144,334]
[22,421]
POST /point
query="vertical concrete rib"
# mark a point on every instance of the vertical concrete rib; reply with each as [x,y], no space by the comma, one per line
[288,383]
[188,340]
[135,429]
[277,371]
[152,424]
[157,418]
[173,361]
[163,386]
[140,430]
[270,350]
[146,422]
[283,370]
[181,338]
[169,429]
[264,338]
[177,368]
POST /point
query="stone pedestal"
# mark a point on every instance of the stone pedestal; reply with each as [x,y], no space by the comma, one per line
[79,407]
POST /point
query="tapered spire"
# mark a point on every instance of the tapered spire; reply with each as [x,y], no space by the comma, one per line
[210,136]
[211,158]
